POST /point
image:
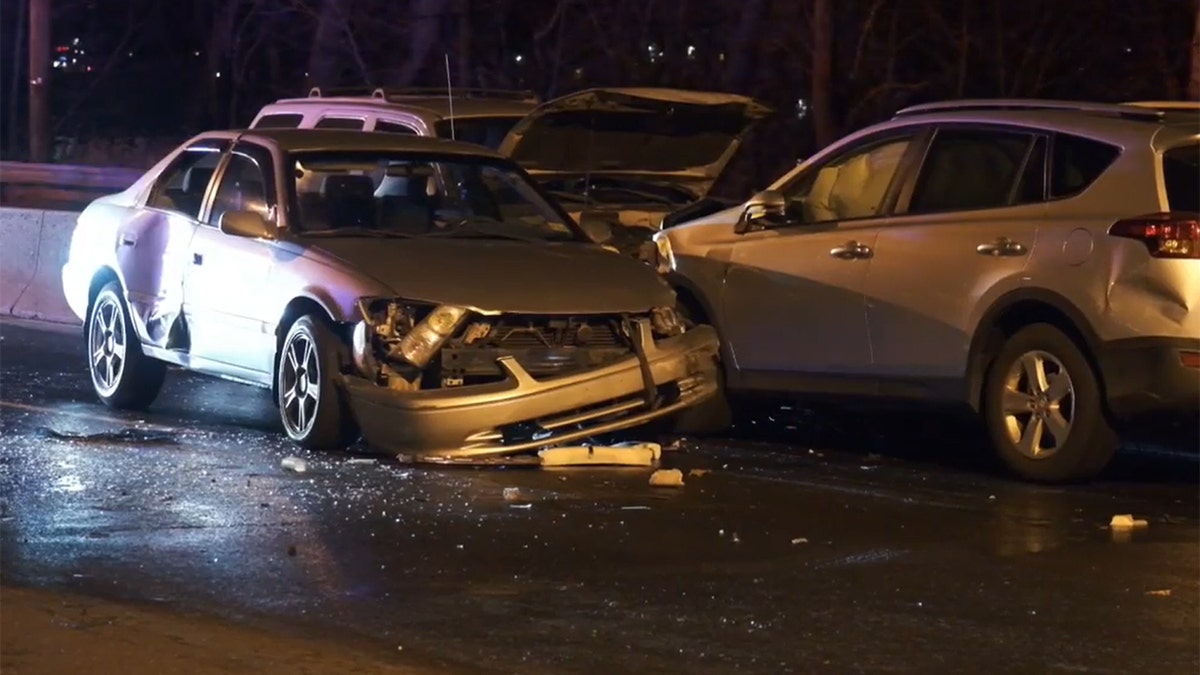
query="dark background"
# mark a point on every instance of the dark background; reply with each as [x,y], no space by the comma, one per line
[146,73]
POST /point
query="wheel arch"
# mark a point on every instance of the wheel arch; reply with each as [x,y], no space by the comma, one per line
[1014,311]
[301,305]
[103,276]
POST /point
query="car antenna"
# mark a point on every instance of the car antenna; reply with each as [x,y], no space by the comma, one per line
[449,94]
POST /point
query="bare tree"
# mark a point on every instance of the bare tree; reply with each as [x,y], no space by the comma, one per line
[1193,89]
[822,72]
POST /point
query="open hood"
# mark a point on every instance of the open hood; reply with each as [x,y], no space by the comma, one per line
[688,136]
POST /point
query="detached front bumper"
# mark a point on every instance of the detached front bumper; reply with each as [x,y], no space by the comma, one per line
[522,413]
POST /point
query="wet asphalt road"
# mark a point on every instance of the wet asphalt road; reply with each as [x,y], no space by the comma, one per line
[779,559]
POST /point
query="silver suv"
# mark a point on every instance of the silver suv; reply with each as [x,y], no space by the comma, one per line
[1038,261]
[480,116]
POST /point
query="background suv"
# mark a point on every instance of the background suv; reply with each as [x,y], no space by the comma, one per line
[480,116]
[1036,260]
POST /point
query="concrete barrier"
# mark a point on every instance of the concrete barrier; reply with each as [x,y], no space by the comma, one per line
[33,247]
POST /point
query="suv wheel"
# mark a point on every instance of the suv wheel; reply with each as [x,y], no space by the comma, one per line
[311,406]
[123,377]
[1043,408]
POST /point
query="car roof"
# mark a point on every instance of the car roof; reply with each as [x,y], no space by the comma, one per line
[429,106]
[310,140]
[1118,123]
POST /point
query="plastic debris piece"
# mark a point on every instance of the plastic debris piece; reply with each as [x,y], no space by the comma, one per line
[1125,521]
[512,494]
[697,472]
[294,464]
[635,508]
[667,478]
[626,454]
[799,540]
[361,460]
[1162,592]
[735,538]
[520,506]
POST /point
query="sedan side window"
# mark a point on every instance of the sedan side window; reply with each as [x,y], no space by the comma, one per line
[244,187]
[968,169]
[853,185]
[182,186]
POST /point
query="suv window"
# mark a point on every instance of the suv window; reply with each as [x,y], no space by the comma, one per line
[244,186]
[1181,173]
[967,169]
[852,185]
[353,123]
[394,127]
[1076,163]
[279,121]
[182,185]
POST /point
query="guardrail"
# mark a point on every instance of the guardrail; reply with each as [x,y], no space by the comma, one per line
[62,186]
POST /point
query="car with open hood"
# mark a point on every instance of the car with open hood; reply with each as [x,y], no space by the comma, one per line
[627,157]
[419,291]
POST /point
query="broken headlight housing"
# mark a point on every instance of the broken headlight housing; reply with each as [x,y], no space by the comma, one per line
[665,258]
[404,335]
[667,321]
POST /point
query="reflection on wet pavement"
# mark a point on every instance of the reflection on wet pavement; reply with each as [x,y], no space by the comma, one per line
[771,558]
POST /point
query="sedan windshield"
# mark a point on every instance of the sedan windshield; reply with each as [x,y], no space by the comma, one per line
[376,194]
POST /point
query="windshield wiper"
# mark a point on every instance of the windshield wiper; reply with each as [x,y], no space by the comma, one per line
[359,232]
[481,227]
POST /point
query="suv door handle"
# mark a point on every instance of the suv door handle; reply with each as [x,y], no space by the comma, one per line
[1002,246]
[851,250]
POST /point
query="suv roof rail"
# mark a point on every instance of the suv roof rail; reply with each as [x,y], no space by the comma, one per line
[387,93]
[1165,106]
[977,104]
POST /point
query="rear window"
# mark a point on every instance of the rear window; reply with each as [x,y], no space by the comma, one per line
[279,121]
[1181,174]
[1076,163]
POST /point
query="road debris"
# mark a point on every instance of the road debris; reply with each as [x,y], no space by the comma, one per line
[623,454]
[127,435]
[697,472]
[635,508]
[1162,592]
[361,460]
[294,464]
[667,478]
[1125,521]
[512,494]
[520,506]
[799,540]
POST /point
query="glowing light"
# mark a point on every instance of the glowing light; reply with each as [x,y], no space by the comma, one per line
[519,58]
[691,50]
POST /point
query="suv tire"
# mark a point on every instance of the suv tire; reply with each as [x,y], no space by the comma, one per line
[311,405]
[123,377]
[1040,383]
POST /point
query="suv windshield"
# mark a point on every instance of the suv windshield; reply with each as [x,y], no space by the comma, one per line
[402,195]
[488,131]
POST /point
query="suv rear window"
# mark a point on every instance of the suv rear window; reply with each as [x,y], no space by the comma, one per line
[1076,163]
[1181,174]
[279,121]
[353,123]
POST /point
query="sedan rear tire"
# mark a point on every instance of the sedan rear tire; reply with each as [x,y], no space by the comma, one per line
[1044,410]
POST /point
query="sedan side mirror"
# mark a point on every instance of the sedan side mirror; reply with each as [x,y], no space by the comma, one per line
[596,227]
[768,206]
[249,224]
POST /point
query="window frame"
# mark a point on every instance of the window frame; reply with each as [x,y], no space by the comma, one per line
[904,200]
[412,129]
[918,135]
[220,146]
[265,160]
[298,115]
[361,119]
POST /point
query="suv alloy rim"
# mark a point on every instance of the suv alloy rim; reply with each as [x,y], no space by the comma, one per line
[1038,404]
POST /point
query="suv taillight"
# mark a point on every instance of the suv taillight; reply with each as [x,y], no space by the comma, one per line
[1166,235]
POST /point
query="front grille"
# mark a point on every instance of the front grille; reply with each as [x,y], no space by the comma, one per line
[534,333]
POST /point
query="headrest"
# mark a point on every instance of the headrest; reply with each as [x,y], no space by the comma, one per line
[340,186]
[196,179]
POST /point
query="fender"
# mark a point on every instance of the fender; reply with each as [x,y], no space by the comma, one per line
[990,329]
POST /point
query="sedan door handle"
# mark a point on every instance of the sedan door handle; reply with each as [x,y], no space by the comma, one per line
[851,250]
[197,258]
[1002,246]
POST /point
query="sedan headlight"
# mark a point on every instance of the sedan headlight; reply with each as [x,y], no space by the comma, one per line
[666,257]
[423,341]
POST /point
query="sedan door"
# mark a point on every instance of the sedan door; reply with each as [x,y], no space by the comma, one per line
[230,312]
[793,305]
[961,238]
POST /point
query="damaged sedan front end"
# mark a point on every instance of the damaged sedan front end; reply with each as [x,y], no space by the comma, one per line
[458,382]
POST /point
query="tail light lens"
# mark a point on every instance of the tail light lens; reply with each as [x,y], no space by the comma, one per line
[1166,235]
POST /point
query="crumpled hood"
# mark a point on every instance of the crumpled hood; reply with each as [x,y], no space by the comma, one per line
[689,136]
[502,276]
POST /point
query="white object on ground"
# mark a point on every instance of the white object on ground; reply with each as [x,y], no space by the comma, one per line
[800,540]
[294,464]
[1125,521]
[667,478]
[512,494]
[624,454]
[361,460]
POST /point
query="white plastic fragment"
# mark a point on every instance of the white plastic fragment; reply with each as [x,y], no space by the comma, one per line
[294,464]
[626,454]
[520,506]
[1125,521]
[512,494]
[667,478]
[799,540]
[361,460]
[1162,593]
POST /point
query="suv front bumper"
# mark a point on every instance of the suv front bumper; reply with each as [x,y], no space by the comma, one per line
[1148,375]
[522,413]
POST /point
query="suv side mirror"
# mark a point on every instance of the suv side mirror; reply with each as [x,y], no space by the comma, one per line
[766,206]
[249,224]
